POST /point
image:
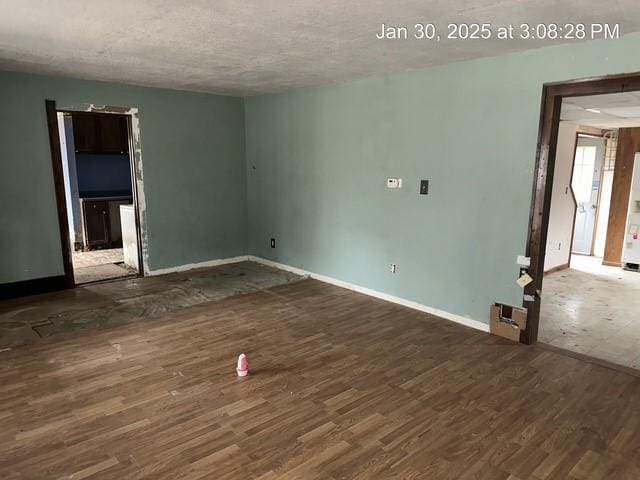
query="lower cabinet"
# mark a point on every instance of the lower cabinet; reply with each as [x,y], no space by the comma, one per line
[95,219]
[101,223]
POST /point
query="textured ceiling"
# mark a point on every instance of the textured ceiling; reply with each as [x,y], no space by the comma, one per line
[616,110]
[246,47]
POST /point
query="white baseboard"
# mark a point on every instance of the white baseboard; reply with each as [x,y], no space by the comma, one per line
[191,266]
[467,322]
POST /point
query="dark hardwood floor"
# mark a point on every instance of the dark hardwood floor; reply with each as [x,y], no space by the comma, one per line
[342,386]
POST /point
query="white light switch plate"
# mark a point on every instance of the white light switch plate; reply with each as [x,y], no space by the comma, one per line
[394,183]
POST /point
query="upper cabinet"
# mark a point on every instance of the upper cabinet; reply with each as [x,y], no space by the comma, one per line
[112,131]
[85,133]
[100,133]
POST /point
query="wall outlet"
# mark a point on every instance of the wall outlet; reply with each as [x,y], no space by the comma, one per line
[273,243]
[394,183]
[392,267]
[424,187]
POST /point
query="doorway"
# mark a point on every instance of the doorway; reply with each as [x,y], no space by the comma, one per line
[96,190]
[586,306]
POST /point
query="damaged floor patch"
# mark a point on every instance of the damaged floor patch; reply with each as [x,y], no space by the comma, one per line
[26,320]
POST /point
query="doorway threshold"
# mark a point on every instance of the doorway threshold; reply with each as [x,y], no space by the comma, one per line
[589,359]
[108,280]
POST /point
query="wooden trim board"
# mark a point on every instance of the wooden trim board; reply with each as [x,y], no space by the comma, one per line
[58,180]
[35,286]
[557,268]
[192,266]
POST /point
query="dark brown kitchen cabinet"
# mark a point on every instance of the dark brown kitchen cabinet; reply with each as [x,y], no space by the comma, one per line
[113,134]
[100,133]
[95,216]
[85,132]
[101,222]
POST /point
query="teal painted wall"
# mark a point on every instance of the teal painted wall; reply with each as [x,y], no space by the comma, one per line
[193,163]
[316,163]
[322,155]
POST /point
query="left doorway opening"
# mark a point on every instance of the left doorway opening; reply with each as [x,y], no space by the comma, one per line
[99,192]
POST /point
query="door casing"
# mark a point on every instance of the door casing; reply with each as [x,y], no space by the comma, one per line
[58,178]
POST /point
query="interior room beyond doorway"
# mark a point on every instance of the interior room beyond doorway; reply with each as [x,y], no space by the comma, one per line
[590,294]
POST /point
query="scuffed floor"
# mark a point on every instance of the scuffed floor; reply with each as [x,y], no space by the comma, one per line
[593,310]
[96,265]
[97,257]
[25,320]
[98,273]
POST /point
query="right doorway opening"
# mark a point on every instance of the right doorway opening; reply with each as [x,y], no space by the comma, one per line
[591,287]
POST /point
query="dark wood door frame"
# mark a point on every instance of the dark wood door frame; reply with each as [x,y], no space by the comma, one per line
[552,95]
[58,180]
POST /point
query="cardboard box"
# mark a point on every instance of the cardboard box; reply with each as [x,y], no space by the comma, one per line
[507,321]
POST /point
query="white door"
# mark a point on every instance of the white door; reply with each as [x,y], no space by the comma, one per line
[585,183]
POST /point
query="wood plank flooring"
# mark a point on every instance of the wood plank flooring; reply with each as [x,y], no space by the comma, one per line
[342,386]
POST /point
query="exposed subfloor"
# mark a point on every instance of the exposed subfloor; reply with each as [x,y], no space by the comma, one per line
[92,258]
[592,309]
[96,265]
[25,320]
[342,386]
